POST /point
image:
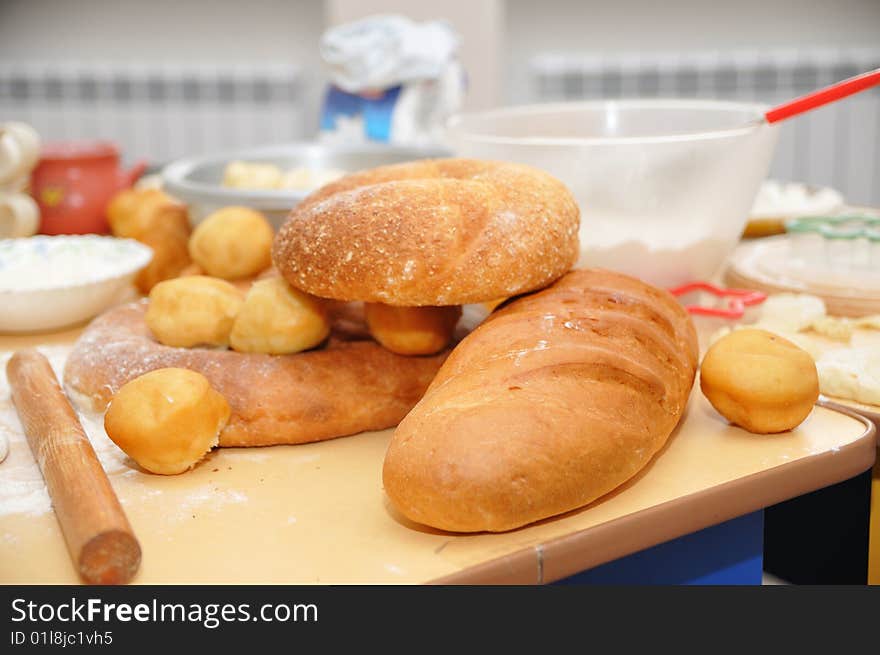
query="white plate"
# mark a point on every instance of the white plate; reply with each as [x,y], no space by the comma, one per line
[50,282]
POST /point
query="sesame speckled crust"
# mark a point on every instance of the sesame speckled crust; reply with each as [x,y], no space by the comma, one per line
[433,232]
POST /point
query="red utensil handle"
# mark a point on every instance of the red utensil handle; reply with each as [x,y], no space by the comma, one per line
[823,96]
[739,299]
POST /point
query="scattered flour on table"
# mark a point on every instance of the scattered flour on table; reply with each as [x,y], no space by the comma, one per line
[22,489]
[208,495]
[393,568]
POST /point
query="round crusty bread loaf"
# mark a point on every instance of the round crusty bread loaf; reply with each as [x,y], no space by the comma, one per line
[433,232]
[555,400]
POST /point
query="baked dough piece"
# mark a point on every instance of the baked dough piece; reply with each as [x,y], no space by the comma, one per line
[760,381]
[232,243]
[158,221]
[345,387]
[279,320]
[193,311]
[412,330]
[166,420]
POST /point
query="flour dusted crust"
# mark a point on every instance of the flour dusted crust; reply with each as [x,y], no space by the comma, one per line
[555,400]
[434,232]
[348,386]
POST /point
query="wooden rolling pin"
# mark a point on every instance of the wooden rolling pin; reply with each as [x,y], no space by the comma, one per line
[98,535]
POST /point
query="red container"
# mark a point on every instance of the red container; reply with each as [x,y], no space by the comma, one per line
[74,182]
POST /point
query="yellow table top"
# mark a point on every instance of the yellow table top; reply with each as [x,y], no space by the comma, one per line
[316,513]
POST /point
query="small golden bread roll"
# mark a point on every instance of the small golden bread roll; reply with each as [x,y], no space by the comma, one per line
[166,420]
[412,330]
[193,311]
[130,212]
[278,319]
[119,210]
[232,243]
[759,381]
[158,221]
[170,256]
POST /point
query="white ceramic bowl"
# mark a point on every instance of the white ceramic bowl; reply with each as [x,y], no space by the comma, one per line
[50,282]
[664,186]
[198,181]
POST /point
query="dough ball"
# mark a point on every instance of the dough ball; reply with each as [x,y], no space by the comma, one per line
[791,312]
[157,221]
[170,257]
[192,311]
[851,373]
[760,381]
[167,419]
[278,319]
[120,210]
[412,330]
[131,212]
[232,243]
[251,175]
[834,328]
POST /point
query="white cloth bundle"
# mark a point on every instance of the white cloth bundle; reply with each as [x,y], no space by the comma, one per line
[393,80]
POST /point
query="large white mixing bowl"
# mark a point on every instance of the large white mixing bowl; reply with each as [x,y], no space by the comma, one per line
[664,186]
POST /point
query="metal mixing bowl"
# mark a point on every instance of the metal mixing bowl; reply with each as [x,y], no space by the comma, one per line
[198,181]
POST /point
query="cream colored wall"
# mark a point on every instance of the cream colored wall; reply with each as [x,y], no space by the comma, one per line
[681,26]
[162,30]
[170,32]
[234,31]
[499,36]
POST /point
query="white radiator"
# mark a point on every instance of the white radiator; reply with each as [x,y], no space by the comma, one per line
[837,145]
[156,112]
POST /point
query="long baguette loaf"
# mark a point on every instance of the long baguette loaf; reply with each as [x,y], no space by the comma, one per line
[555,400]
